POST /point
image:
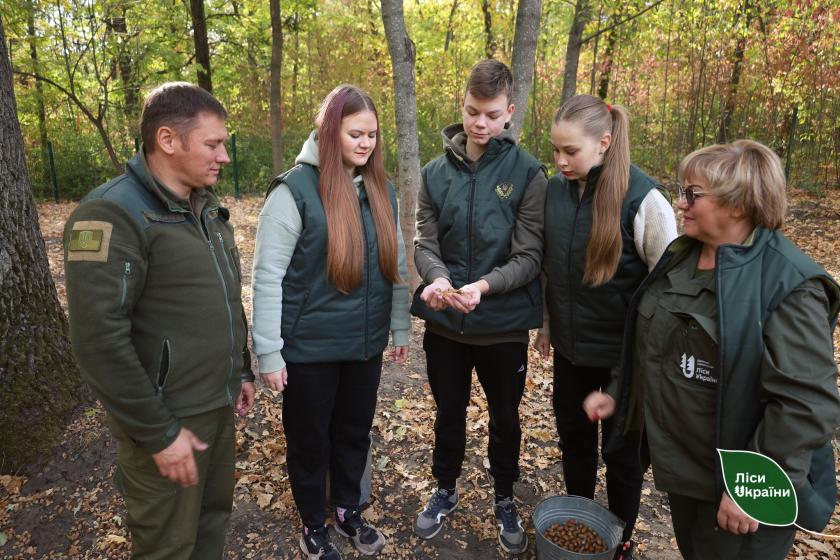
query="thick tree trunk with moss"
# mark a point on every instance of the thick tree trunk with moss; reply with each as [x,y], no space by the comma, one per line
[40,382]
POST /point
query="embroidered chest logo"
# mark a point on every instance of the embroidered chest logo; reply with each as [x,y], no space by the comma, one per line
[701,370]
[504,190]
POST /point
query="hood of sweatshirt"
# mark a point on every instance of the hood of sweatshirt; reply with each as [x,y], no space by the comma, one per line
[309,155]
[309,151]
[455,141]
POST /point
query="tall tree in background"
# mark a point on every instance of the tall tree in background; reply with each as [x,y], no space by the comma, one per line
[577,40]
[275,97]
[573,45]
[39,87]
[202,49]
[41,384]
[737,62]
[489,42]
[403,55]
[524,51]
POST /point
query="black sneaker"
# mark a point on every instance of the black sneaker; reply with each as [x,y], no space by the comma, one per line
[316,544]
[625,551]
[512,535]
[366,538]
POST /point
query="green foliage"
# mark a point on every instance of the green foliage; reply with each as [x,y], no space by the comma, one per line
[671,67]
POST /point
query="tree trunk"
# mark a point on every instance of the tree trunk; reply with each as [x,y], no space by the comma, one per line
[524,50]
[275,98]
[202,50]
[450,31]
[735,78]
[403,54]
[128,73]
[573,45]
[41,384]
[604,84]
[39,89]
[489,44]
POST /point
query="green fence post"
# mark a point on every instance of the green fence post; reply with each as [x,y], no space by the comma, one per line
[136,144]
[791,140]
[53,177]
[236,192]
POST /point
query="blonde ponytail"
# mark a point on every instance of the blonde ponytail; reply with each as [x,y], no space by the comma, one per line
[603,250]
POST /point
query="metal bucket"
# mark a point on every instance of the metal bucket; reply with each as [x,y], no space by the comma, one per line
[558,509]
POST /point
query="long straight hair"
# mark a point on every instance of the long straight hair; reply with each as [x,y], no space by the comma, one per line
[345,239]
[596,118]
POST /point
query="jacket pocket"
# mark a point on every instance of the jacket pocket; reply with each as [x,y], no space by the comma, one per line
[237,263]
[164,365]
[300,312]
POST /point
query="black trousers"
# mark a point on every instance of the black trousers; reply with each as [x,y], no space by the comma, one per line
[579,443]
[699,536]
[501,370]
[328,411]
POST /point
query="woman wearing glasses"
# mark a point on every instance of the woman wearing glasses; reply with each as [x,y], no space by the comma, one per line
[606,225]
[729,347]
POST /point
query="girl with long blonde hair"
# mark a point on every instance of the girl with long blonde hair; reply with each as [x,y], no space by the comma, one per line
[606,224]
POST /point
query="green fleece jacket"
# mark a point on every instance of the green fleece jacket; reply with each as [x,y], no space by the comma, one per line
[153,289]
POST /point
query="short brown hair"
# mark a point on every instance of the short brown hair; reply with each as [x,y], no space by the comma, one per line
[743,174]
[490,78]
[175,104]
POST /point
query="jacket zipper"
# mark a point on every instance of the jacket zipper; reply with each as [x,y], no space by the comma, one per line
[470,204]
[571,277]
[203,228]
[126,274]
[367,275]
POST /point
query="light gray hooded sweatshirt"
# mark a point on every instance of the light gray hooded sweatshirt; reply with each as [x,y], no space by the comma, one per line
[279,229]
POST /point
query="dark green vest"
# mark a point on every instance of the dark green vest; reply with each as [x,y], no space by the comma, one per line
[321,324]
[750,281]
[477,211]
[587,323]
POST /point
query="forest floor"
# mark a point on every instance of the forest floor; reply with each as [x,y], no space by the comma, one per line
[69,508]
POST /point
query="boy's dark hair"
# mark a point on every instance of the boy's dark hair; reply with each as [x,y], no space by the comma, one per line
[176,105]
[490,78]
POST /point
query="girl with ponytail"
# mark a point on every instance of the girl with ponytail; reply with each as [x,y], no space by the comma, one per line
[329,264]
[606,225]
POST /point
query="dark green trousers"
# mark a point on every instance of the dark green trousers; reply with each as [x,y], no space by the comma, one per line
[700,538]
[168,522]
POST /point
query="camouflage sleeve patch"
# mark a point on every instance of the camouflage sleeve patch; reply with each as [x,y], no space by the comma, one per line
[89,241]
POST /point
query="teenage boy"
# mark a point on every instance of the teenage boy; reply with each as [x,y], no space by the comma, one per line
[478,251]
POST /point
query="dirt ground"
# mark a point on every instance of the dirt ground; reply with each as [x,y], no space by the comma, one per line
[69,508]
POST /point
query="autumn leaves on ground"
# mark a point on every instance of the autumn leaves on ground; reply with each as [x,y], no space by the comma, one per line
[71,510]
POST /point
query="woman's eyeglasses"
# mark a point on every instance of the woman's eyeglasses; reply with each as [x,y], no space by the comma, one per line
[691,193]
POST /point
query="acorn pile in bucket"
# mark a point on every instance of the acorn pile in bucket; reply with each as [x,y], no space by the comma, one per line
[575,536]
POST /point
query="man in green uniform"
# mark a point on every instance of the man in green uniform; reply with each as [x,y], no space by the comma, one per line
[158,328]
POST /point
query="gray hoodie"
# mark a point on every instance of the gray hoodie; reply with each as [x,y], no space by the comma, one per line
[279,228]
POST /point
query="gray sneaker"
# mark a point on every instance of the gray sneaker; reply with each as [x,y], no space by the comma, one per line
[430,521]
[512,535]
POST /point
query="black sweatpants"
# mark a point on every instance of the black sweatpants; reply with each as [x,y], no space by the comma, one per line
[501,370]
[328,411]
[579,443]
[699,536]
